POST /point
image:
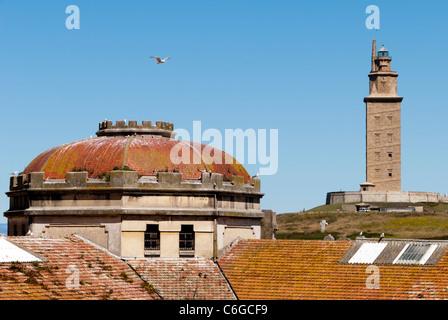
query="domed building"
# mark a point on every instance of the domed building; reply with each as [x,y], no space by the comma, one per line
[122,191]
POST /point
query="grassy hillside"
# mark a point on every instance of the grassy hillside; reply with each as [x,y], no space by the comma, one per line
[430,224]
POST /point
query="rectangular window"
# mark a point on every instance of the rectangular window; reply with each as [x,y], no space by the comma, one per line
[377,120]
[389,137]
[186,238]
[389,120]
[389,155]
[415,254]
[249,203]
[152,237]
[377,173]
[377,138]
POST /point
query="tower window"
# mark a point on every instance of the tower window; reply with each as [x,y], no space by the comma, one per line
[377,138]
[152,237]
[390,155]
[377,120]
[249,203]
[389,137]
[186,238]
[389,119]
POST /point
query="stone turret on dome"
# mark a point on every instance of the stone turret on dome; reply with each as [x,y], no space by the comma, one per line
[146,128]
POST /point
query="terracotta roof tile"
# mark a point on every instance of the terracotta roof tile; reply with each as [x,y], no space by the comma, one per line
[184,279]
[101,275]
[310,269]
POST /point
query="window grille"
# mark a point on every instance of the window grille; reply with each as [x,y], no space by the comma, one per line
[415,254]
[152,237]
[186,238]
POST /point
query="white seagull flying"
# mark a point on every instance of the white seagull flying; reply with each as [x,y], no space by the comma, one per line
[160,60]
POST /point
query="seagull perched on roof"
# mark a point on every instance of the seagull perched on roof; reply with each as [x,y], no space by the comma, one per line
[360,236]
[381,237]
[255,176]
[329,237]
[14,173]
[160,60]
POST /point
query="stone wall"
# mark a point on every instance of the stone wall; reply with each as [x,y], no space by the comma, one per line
[130,179]
[383,196]
[114,213]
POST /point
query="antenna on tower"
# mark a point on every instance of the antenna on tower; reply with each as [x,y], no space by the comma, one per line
[373,55]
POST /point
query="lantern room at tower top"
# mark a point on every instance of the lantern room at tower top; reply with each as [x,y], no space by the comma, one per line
[383,52]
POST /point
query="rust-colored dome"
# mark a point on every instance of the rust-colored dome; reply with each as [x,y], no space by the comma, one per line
[146,155]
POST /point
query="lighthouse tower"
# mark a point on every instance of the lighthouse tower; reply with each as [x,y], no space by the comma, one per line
[383,126]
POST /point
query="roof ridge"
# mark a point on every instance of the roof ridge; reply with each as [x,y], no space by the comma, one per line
[95,245]
[221,253]
[400,240]
[31,252]
[225,279]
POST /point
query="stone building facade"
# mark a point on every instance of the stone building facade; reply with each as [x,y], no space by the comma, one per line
[121,191]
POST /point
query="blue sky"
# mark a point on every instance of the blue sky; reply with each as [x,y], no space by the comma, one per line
[297,66]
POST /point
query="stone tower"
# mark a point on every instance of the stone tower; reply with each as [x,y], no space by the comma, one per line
[383,126]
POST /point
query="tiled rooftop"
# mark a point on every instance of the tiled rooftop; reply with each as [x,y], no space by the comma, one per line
[314,269]
[179,279]
[254,269]
[101,275]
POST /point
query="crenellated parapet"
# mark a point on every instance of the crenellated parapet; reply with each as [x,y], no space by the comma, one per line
[119,179]
[131,127]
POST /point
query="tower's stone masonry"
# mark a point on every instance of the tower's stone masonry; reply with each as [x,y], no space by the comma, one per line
[383,125]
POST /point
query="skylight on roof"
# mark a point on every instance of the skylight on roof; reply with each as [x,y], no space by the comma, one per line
[415,254]
[368,252]
[12,253]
